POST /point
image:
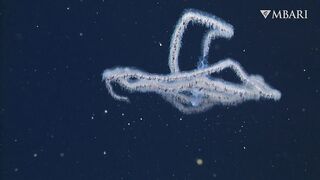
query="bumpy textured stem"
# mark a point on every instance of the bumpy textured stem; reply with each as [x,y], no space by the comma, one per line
[193,91]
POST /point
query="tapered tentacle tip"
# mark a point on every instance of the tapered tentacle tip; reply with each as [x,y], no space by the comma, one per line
[120,98]
[276,95]
[126,100]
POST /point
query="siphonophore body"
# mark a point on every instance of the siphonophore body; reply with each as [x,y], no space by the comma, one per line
[193,91]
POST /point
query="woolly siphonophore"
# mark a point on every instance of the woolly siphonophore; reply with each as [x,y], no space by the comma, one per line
[193,91]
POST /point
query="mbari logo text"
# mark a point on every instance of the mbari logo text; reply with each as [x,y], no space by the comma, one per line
[285,14]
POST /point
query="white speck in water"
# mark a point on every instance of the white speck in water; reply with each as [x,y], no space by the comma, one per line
[199,161]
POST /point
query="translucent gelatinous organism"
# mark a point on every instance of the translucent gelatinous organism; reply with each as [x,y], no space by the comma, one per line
[193,91]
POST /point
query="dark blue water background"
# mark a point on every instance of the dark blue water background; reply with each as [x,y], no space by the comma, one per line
[59,122]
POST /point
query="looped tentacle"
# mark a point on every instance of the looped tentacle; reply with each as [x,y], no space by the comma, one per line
[193,91]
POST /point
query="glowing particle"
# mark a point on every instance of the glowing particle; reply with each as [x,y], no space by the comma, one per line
[199,161]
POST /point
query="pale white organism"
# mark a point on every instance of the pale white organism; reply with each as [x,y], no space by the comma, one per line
[193,91]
